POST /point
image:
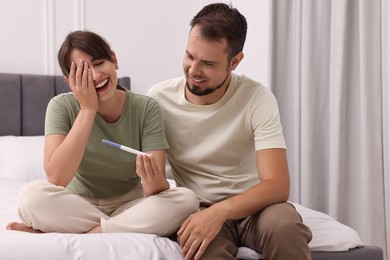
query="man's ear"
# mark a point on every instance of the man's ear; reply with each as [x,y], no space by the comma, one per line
[236,60]
[113,57]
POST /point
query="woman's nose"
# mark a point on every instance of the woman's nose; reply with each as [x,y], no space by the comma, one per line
[95,73]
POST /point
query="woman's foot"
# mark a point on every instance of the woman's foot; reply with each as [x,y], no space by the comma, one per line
[21,227]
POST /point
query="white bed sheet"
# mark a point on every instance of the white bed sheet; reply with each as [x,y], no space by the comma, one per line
[328,235]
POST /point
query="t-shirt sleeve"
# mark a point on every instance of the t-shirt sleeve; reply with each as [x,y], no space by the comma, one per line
[266,123]
[153,137]
[57,119]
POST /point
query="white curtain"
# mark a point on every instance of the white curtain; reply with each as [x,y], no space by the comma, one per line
[329,72]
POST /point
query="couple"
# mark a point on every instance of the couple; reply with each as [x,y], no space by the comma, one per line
[223,139]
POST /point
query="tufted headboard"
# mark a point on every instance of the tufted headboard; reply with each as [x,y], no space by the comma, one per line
[24,98]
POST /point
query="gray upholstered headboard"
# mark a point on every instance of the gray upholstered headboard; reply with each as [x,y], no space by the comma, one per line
[23,101]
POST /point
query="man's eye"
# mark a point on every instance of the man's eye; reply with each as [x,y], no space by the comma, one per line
[189,56]
[209,63]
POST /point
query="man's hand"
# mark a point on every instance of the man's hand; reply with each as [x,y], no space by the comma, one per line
[196,233]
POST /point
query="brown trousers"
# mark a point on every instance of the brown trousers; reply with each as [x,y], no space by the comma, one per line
[277,232]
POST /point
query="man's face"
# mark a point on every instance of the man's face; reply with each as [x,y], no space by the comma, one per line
[206,65]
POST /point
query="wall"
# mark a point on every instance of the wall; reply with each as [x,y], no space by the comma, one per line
[149,36]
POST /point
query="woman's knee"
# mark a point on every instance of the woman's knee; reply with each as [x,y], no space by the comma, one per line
[187,198]
[33,195]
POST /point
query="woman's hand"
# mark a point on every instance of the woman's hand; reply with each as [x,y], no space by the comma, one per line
[82,86]
[151,170]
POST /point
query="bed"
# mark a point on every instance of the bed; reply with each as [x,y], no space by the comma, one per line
[23,102]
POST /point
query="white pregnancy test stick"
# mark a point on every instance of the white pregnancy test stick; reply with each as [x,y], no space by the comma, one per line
[122,147]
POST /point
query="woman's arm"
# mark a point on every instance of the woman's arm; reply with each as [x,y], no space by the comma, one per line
[63,154]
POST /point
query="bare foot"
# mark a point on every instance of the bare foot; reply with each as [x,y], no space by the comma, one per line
[21,227]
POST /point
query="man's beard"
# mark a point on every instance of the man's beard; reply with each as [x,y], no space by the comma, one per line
[196,90]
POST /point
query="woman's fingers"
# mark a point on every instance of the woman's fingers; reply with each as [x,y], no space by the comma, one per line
[145,168]
[79,74]
[84,79]
[72,80]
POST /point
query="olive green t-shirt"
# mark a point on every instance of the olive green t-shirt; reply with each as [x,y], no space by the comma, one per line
[106,171]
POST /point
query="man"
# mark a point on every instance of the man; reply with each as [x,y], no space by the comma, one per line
[226,144]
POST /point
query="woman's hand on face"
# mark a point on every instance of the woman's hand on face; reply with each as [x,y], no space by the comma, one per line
[82,86]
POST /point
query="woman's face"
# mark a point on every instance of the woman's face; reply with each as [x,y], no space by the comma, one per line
[103,72]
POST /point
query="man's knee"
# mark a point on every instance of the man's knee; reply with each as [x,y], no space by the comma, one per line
[276,222]
[283,223]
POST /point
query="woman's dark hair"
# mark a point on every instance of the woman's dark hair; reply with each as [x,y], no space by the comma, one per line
[221,21]
[88,42]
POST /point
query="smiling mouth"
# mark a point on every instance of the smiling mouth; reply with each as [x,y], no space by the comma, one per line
[101,84]
[197,80]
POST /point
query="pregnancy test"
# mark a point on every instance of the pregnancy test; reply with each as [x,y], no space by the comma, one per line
[122,147]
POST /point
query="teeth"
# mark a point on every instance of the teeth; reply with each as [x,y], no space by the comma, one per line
[101,84]
[198,80]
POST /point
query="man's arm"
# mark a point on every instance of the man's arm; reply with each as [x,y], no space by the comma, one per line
[274,186]
[200,229]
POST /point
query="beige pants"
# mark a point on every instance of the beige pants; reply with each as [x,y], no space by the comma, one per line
[50,208]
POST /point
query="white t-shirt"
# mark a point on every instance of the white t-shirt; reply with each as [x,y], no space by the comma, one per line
[212,147]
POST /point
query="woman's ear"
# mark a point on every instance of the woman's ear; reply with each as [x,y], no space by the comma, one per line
[67,82]
[113,57]
[66,79]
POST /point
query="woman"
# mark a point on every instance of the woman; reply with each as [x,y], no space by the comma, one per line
[93,187]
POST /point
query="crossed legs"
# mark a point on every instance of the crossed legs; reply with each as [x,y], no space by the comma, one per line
[44,207]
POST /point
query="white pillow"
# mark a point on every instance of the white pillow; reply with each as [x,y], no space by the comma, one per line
[21,158]
[328,234]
